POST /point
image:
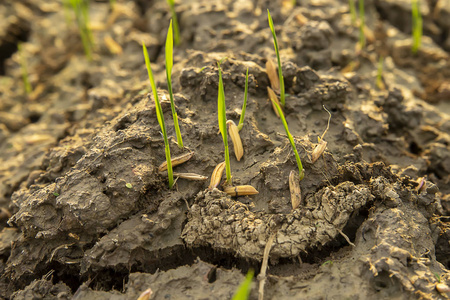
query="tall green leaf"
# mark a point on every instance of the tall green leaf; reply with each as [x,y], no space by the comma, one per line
[244,289]
[223,123]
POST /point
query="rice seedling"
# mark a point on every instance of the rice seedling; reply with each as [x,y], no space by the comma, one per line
[362,25]
[416,26]
[169,65]
[81,10]
[159,115]
[301,172]
[24,68]
[275,44]
[175,21]
[112,3]
[221,108]
[244,105]
[244,289]
[379,81]
[273,97]
[351,4]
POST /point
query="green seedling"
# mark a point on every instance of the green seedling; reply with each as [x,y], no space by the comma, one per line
[244,289]
[81,10]
[362,25]
[23,66]
[351,4]
[275,44]
[175,21]
[159,115]
[129,185]
[244,106]
[416,26]
[379,81]
[301,172]
[169,65]
[328,262]
[221,108]
[112,3]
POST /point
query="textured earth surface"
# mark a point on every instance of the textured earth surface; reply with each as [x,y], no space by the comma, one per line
[85,214]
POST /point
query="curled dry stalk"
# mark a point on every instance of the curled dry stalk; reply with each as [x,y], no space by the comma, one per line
[275,44]
[320,148]
[169,65]
[159,115]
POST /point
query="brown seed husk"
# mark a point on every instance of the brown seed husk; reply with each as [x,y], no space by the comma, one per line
[294,188]
[236,138]
[176,161]
[272,72]
[442,288]
[240,190]
[217,175]
[190,176]
[273,97]
[318,151]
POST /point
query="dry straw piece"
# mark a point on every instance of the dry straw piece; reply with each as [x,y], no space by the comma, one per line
[320,148]
[240,190]
[217,175]
[190,176]
[273,97]
[294,188]
[176,161]
[271,70]
[236,139]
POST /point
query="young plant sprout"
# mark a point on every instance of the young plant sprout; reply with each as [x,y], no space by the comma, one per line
[223,124]
[351,4]
[320,148]
[175,21]
[416,26]
[379,82]
[159,115]
[275,44]
[301,172]
[244,106]
[362,25]
[244,289]
[81,9]
[169,65]
[23,66]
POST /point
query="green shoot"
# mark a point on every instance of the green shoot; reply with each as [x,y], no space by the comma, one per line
[81,9]
[275,44]
[159,115]
[416,26]
[175,21]
[223,123]
[67,13]
[379,81]
[301,172]
[169,65]
[244,289]
[23,66]
[351,4]
[112,3]
[362,25]
[244,106]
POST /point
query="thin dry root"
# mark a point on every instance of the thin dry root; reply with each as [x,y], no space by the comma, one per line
[176,161]
[262,275]
[272,72]
[240,190]
[294,187]
[217,175]
[274,98]
[236,138]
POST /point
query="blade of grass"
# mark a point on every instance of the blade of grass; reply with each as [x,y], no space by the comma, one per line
[81,10]
[379,81]
[291,140]
[362,24]
[223,123]
[169,65]
[275,44]
[416,26]
[244,289]
[351,4]
[24,68]
[159,115]
[244,106]
[175,21]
